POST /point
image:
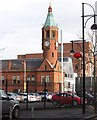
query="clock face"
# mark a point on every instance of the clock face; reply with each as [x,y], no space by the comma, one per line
[47,43]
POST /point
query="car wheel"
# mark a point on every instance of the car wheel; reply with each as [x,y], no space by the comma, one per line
[55,103]
[75,103]
[91,103]
[25,100]
[16,113]
[44,99]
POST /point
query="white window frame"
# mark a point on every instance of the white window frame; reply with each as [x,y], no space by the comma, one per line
[47,78]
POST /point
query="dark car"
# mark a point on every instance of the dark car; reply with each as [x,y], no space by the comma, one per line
[88,97]
[9,107]
[66,98]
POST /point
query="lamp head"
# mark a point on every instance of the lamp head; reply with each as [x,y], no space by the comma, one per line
[72,52]
[94,27]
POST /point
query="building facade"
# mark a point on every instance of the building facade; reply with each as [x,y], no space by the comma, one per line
[77,63]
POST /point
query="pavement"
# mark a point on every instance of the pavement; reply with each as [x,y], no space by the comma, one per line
[51,112]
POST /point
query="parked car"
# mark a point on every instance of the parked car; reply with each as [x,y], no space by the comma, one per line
[23,96]
[66,98]
[89,97]
[14,96]
[94,94]
[9,107]
[49,96]
[46,95]
[34,97]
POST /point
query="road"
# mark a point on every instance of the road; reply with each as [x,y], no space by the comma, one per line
[51,112]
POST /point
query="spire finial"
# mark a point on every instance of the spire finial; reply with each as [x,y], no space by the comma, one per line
[50,8]
[49,3]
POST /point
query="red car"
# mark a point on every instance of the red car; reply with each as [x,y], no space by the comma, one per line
[66,98]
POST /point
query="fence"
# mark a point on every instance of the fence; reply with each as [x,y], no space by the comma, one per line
[31,86]
[89,84]
[34,87]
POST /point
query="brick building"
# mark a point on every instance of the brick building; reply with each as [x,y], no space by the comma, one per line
[77,63]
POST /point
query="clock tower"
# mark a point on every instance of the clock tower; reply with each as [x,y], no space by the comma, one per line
[50,38]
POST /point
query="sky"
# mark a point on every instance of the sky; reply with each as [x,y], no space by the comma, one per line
[21,22]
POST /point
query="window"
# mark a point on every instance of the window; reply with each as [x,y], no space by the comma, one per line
[14,79]
[3,80]
[33,78]
[47,33]
[71,76]
[52,54]
[68,84]
[65,75]
[18,79]
[48,78]
[53,34]
[42,79]
[28,78]
[67,95]
[45,67]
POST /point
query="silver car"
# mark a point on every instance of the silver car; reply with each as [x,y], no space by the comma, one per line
[9,107]
[14,96]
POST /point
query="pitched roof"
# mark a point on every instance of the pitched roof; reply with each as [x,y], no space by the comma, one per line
[18,64]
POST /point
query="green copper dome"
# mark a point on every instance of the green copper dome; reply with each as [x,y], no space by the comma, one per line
[50,20]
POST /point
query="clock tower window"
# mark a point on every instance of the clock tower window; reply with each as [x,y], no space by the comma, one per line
[47,33]
[53,34]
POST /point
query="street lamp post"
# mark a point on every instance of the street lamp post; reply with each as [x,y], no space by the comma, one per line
[83,26]
[45,93]
[94,29]
[24,82]
[62,83]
